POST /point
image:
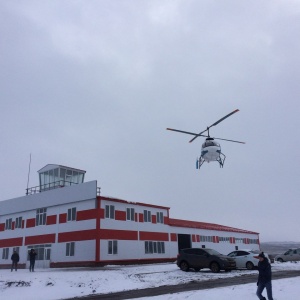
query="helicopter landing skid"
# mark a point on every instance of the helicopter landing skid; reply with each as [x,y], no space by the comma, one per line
[221,159]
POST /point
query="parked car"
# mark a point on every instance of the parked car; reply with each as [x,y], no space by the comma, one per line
[246,259]
[290,255]
[198,259]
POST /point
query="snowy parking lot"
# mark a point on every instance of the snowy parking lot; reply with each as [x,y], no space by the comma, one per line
[49,284]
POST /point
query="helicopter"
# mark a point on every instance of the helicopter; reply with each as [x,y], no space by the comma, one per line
[210,150]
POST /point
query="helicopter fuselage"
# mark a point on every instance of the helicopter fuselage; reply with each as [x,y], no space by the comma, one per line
[210,150]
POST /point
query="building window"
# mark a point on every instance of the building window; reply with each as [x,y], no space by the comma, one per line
[72,214]
[18,223]
[238,240]
[109,211]
[154,247]
[147,216]
[130,214]
[41,214]
[70,249]
[204,238]
[224,239]
[253,241]
[17,249]
[112,247]
[5,252]
[43,251]
[159,217]
[8,224]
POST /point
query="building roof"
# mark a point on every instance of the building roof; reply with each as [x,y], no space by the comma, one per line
[53,166]
[131,202]
[208,226]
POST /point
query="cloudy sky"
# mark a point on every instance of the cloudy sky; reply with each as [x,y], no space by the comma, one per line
[94,84]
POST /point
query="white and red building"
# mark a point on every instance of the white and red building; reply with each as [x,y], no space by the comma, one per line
[69,223]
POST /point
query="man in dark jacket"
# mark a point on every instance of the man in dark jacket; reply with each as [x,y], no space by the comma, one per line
[32,254]
[15,259]
[264,277]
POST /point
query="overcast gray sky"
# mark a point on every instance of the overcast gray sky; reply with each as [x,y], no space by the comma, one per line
[94,84]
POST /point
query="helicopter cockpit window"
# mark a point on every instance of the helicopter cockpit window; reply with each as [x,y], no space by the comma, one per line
[208,144]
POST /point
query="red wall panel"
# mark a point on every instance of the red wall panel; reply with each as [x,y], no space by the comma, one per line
[83,235]
[51,220]
[86,214]
[120,215]
[30,223]
[154,236]
[13,242]
[173,237]
[40,239]
[62,218]
[110,234]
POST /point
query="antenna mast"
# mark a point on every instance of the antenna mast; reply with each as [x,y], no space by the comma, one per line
[28,174]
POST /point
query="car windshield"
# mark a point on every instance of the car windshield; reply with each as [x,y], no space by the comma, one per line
[212,252]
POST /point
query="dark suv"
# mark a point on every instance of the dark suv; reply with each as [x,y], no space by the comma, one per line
[198,259]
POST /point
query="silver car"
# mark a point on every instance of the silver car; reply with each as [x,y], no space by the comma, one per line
[290,255]
[246,258]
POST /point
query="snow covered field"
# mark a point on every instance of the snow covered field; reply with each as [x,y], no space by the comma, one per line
[49,284]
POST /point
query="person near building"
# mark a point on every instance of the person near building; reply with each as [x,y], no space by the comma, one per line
[15,259]
[32,254]
[264,277]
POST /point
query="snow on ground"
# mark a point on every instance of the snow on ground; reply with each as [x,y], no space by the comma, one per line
[53,284]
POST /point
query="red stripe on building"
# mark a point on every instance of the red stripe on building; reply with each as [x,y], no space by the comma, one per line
[23,223]
[120,215]
[62,218]
[82,235]
[166,220]
[141,218]
[30,223]
[86,215]
[2,226]
[13,225]
[198,238]
[14,242]
[153,236]
[51,220]
[102,213]
[40,239]
[110,234]
[154,219]
[173,237]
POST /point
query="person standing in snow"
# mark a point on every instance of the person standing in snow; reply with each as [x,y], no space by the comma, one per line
[32,254]
[264,277]
[15,259]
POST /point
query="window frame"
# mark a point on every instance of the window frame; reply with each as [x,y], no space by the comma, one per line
[72,214]
[130,214]
[41,216]
[70,249]
[109,211]
[5,253]
[112,247]
[8,224]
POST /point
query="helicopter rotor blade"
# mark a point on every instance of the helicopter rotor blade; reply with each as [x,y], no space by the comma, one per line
[181,131]
[215,138]
[222,119]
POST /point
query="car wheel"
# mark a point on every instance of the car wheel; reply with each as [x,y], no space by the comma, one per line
[184,266]
[280,259]
[215,268]
[249,265]
[197,269]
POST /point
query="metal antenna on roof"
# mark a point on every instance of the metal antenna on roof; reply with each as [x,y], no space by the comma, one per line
[28,174]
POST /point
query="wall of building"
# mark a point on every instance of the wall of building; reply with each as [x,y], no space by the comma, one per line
[92,231]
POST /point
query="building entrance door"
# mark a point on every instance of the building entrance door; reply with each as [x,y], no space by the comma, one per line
[43,257]
[184,241]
